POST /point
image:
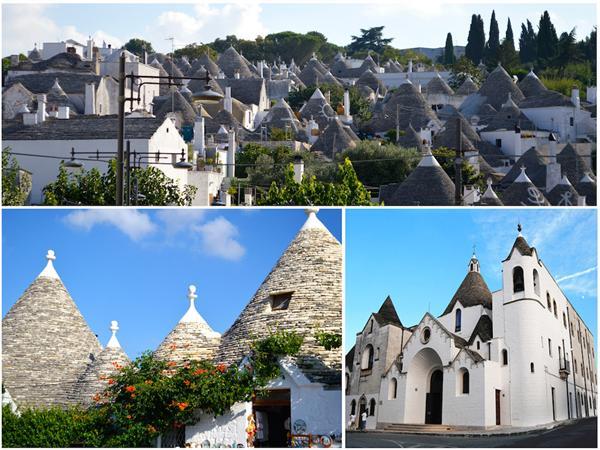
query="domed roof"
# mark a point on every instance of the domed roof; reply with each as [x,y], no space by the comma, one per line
[467,87]
[95,379]
[427,185]
[318,109]
[303,291]
[522,192]
[437,85]
[178,104]
[192,339]
[171,68]
[46,343]
[334,139]
[472,291]
[369,79]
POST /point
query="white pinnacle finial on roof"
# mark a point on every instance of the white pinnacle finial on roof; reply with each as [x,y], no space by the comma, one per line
[312,221]
[113,342]
[522,178]
[192,314]
[586,178]
[489,192]
[49,270]
[564,180]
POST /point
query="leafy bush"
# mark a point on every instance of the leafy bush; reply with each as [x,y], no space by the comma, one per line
[329,340]
[16,184]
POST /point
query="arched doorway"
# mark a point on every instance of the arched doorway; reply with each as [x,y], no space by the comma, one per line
[433,399]
[362,405]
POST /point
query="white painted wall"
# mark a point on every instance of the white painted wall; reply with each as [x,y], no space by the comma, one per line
[225,430]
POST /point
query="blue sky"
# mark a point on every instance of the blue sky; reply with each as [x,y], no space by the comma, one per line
[420,257]
[421,23]
[134,266]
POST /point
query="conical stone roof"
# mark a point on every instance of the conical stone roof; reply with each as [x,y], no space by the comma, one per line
[177,104]
[522,192]
[572,164]
[172,69]
[318,109]
[281,115]
[467,87]
[369,64]
[411,139]
[192,339]
[563,194]
[489,197]
[207,62]
[472,291]
[316,64]
[334,139]
[310,76]
[427,185]
[531,85]
[437,85]
[387,314]
[368,78]
[231,62]
[95,379]
[535,167]
[587,187]
[46,343]
[310,269]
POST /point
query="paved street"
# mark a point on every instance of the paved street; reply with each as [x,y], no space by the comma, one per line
[577,435]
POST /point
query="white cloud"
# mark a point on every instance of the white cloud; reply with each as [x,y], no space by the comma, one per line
[176,220]
[576,274]
[209,22]
[133,223]
[24,25]
[218,237]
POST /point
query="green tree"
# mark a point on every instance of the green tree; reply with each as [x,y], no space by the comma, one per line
[527,43]
[446,158]
[462,69]
[137,46]
[492,47]
[508,56]
[449,56]
[91,188]
[547,40]
[381,164]
[16,183]
[370,39]
[194,51]
[475,40]
[346,190]
[568,52]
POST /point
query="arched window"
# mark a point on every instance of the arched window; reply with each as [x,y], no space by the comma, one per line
[353,407]
[458,320]
[548,301]
[372,407]
[518,280]
[367,358]
[371,327]
[478,345]
[565,320]
[531,367]
[393,389]
[347,383]
[536,282]
[554,307]
[504,357]
[465,382]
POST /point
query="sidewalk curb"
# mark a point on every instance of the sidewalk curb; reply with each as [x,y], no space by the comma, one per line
[478,433]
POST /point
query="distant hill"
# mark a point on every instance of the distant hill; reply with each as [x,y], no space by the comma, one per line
[433,53]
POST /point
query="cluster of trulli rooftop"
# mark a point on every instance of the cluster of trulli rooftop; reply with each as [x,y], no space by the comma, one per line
[506,125]
[51,356]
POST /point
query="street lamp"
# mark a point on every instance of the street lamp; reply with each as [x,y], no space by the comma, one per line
[207,95]
[182,163]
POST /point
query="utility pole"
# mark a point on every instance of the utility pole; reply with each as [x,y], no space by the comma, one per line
[172,39]
[458,165]
[120,131]
[397,122]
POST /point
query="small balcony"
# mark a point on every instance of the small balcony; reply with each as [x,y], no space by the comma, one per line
[564,368]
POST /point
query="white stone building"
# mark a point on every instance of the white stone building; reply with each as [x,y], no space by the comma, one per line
[516,357]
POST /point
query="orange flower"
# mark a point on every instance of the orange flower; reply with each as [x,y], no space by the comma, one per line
[111,381]
[186,382]
[148,382]
[132,395]
[129,416]
[182,405]
[200,371]
[222,368]
[171,364]
[130,388]
[151,429]
[96,398]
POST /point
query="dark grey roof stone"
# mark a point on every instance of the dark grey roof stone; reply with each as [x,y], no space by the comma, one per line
[368,78]
[587,187]
[522,247]
[176,102]
[483,329]
[387,314]
[231,62]
[333,140]
[522,192]
[69,62]
[310,76]
[411,139]
[563,194]
[437,85]
[281,115]
[246,90]
[535,168]
[509,117]
[427,185]
[495,91]
[472,291]
[318,109]
[572,164]
[531,85]
[467,87]
[171,68]
[81,127]
[546,99]
[41,83]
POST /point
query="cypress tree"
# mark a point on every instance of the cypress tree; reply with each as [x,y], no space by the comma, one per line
[449,57]
[527,43]
[507,54]
[547,40]
[475,40]
[493,44]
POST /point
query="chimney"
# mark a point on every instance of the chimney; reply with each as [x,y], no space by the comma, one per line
[591,94]
[231,148]
[63,112]
[199,137]
[581,200]
[553,169]
[236,75]
[298,168]
[90,99]
[144,56]
[14,60]
[347,104]
[313,131]
[261,68]
[96,63]
[90,49]
[29,118]
[410,66]
[228,101]
[575,97]
[41,111]
[328,96]
[419,88]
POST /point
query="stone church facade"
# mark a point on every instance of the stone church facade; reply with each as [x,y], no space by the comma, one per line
[520,356]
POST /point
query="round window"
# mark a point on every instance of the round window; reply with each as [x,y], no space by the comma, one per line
[425,335]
